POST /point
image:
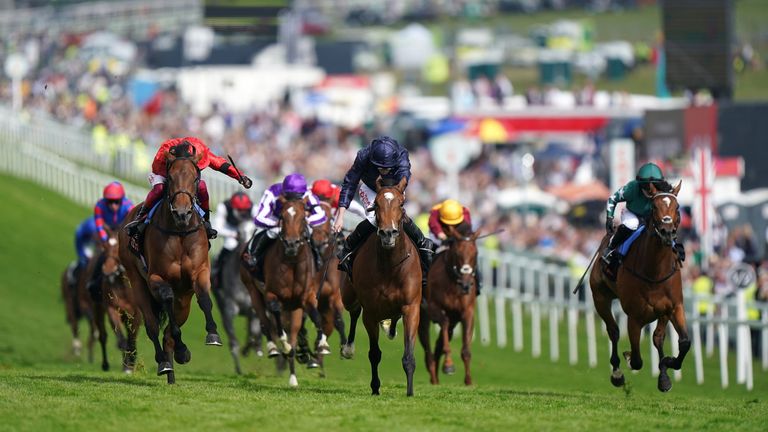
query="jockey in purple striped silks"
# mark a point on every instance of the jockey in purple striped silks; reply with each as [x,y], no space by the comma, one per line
[294,186]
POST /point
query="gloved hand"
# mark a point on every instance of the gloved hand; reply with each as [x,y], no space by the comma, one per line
[609,225]
[246,182]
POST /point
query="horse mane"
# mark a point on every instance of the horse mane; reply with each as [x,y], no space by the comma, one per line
[388,182]
[183,150]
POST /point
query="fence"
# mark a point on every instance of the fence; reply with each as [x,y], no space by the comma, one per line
[46,137]
[528,289]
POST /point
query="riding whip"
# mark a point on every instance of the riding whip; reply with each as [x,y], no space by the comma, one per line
[239,174]
[581,281]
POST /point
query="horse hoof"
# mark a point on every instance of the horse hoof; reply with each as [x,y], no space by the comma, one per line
[213,339]
[449,369]
[347,351]
[617,379]
[164,368]
[286,347]
[312,364]
[272,351]
[105,367]
[171,377]
[322,346]
[665,384]
[128,370]
[292,381]
[182,357]
[260,353]
[302,358]
[385,325]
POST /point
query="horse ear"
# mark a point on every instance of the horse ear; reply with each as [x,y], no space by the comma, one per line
[402,184]
[378,183]
[196,156]
[281,199]
[652,189]
[169,156]
[676,189]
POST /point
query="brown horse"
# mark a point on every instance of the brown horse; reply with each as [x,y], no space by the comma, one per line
[99,301]
[451,295]
[177,266]
[649,287]
[386,282]
[119,302]
[290,279]
[329,277]
[77,307]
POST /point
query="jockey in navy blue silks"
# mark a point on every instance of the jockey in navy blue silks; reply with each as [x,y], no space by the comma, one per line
[387,159]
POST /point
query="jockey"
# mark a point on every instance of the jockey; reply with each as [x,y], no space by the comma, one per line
[160,171]
[233,216]
[267,219]
[385,157]
[638,196]
[451,213]
[448,213]
[329,193]
[85,237]
[110,210]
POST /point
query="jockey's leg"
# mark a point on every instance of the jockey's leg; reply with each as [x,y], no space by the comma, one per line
[424,245]
[352,243]
[203,197]
[94,283]
[621,234]
[258,249]
[154,195]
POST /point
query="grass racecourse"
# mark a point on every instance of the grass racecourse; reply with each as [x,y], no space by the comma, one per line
[43,387]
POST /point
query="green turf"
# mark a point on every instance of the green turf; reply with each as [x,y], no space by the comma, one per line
[42,387]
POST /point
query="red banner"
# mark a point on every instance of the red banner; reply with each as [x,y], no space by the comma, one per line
[701,127]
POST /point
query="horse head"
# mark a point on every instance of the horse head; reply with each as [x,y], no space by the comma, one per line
[321,234]
[665,214]
[112,269]
[388,206]
[462,257]
[182,181]
[293,223]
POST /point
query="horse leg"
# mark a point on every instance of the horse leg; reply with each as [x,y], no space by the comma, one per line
[338,319]
[348,349]
[310,305]
[98,317]
[114,319]
[603,308]
[131,330]
[684,344]
[180,352]
[467,325]
[411,327]
[429,359]
[633,357]
[202,288]
[659,333]
[169,345]
[446,331]
[227,316]
[374,352]
[253,331]
[296,317]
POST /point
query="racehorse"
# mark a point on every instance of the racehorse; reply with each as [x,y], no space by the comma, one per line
[76,307]
[290,281]
[649,287]
[451,294]
[118,300]
[329,277]
[233,300]
[386,282]
[175,249]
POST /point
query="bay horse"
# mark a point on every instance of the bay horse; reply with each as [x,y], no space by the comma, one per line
[175,250]
[290,281]
[649,287]
[118,300]
[329,277]
[233,300]
[77,307]
[451,295]
[386,282]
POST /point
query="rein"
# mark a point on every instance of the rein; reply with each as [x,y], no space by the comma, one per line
[171,197]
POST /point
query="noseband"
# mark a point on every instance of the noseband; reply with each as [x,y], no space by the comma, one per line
[119,271]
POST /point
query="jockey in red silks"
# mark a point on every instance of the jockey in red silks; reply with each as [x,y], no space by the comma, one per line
[330,193]
[159,173]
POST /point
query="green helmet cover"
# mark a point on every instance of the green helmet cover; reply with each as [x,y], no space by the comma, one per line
[649,172]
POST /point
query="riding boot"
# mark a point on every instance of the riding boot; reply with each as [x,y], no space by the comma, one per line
[425,246]
[679,250]
[137,225]
[257,251]
[621,234]
[352,243]
[94,283]
[478,281]
[317,255]
[212,233]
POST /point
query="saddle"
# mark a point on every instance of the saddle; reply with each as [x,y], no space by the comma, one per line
[611,270]
[136,241]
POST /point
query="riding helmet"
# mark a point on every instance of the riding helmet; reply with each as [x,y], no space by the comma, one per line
[384,152]
[114,191]
[649,172]
[322,188]
[294,184]
[451,212]
[241,201]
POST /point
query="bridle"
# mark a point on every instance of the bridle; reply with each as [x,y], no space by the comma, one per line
[304,238]
[170,197]
[119,269]
[455,272]
[657,232]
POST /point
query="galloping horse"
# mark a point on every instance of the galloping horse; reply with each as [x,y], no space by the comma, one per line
[649,287]
[451,294]
[386,282]
[290,278]
[233,300]
[119,301]
[177,265]
[329,278]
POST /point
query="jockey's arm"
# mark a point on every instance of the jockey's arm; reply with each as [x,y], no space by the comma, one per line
[357,209]
[352,180]
[467,216]
[220,164]
[264,217]
[434,223]
[219,222]
[317,216]
[614,199]
[98,217]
